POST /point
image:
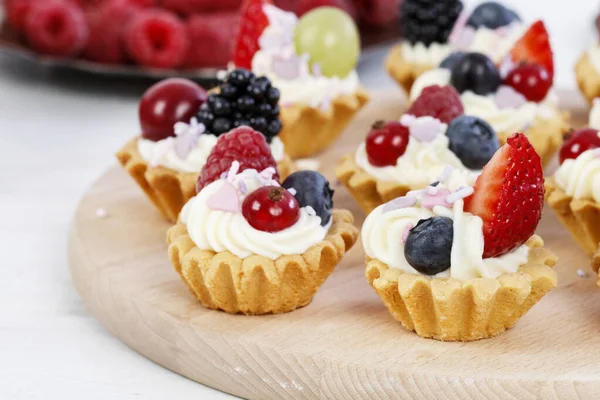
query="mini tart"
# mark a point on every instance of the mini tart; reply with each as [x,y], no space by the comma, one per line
[545,135]
[588,78]
[256,284]
[403,72]
[169,189]
[308,130]
[581,217]
[452,310]
[368,191]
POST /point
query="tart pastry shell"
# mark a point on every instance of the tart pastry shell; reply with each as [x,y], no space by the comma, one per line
[403,72]
[448,309]
[587,77]
[308,130]
[256,284]
[169,189]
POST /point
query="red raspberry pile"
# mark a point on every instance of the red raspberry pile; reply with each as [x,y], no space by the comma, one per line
[155,33]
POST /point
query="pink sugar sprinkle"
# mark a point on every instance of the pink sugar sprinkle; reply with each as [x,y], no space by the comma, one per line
[438,199]
[406,232]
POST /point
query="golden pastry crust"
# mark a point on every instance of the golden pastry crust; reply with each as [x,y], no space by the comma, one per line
[256,284]
[368,191]
[451,310]
[168,189]
[403,72]
[588,78]
[581,217]
[308,130]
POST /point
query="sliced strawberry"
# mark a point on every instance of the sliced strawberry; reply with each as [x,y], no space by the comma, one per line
[534,48]
[508,197]
[253,22]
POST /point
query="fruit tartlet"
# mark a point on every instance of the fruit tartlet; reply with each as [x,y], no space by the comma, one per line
[434,30]
[245,244]
[459,263]
[517,96]
[399,156]
[587,72]
[574,190]
[181,124]
[320,90]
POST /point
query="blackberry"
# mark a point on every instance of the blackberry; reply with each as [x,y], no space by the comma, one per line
[243,99]
[429,21]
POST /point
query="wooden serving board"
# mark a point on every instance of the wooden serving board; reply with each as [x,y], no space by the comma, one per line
[344,345]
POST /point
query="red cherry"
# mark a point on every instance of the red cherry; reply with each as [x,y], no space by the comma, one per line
[271,209]
[579,141]
[167,102]
[531,80]
[386,142]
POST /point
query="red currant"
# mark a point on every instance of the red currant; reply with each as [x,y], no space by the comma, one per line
[531,80]
[386,142]
[271,209]
[167,102]
[579,141]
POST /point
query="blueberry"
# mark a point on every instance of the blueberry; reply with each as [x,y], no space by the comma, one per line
[312,189]
[273,96]
[429,245]
[240,77]
[492,15]
[475,72]
[450,61]
[245,103]
[274,127]
[473,141]
[221,125]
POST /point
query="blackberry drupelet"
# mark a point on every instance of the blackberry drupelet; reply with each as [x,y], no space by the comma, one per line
[429,21]
[242,99]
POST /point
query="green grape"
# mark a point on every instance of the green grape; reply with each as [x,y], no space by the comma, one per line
[330,37]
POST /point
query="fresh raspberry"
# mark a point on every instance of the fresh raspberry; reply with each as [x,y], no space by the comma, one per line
[210,39]
[305,6]
[192,7]
[271,209]
[534,48]
[442,103]
[253,22]
[157,38]
[16,11]
[106,23]
[56,28]
[377,12]
[509,196]
[242,144]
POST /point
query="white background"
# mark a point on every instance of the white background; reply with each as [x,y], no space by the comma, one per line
[58,133]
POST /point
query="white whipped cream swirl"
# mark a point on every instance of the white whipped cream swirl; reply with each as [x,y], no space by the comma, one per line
[503,119]
[219,231]
[382,237]
[580,177]
[161,153]
[290,72]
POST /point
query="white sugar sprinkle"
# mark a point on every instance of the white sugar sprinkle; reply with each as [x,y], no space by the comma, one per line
[101,213]
[292,191]
[581,273]
[459,194]
[310,211]
[445,175]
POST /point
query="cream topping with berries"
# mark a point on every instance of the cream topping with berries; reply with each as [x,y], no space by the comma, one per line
[189,149]
[426,155]
[290,72]
[506,110]
[385,231]
[215,222]
[580,177]
[421,54]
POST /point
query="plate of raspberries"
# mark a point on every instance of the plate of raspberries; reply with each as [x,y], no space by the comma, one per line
[146,38]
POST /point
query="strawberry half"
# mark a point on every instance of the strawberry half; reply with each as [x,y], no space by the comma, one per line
[534,48]
[253,22]
[509,196]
